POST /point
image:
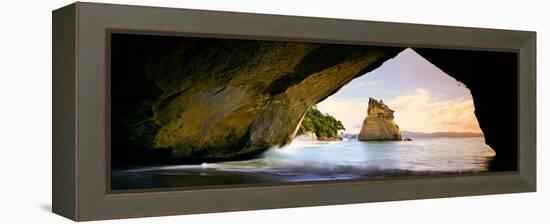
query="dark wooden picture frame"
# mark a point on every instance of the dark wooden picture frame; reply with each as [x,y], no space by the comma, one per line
[81,137]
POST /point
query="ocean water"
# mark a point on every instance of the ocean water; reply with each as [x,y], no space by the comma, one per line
[305,160]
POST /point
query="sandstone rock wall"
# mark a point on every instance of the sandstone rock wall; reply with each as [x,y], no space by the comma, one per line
[379,125]
[170,99]
[215,99]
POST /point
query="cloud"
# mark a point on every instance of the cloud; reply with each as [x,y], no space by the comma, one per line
[421,111]
[417,111]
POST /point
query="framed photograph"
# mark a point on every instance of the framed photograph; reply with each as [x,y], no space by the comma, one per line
[161,111]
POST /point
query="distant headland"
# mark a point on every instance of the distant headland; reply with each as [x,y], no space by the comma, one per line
[318,126]
[414,134]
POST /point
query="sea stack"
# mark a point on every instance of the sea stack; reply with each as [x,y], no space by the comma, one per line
[379,125]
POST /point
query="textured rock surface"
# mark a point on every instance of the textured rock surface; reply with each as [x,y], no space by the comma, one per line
[379,125]
[231,99]
[164,85]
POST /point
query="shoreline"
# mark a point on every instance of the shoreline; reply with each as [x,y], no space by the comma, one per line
[211,177]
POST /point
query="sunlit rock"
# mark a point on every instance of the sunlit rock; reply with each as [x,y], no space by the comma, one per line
[227,100]
[379,125]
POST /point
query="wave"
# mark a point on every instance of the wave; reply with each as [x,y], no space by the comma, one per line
[304,156]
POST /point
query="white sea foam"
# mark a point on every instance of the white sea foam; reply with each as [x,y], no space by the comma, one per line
[352,158]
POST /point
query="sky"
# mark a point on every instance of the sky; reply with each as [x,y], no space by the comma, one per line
[424,98]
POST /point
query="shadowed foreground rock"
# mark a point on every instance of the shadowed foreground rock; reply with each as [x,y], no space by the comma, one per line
[379,125]
[213,99]
[231,99]
[492,78]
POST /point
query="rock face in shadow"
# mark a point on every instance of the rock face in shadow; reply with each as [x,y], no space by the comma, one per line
[215,99]
[212,99]
[379,125]
[492,79]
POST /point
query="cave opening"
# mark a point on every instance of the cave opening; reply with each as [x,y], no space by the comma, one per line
[425,99]
[422,104]
[228,102]
[456,116]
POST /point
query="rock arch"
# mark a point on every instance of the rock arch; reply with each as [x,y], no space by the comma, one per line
[233,99]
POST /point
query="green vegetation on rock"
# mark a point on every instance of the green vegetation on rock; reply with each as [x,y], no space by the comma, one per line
[214,99]
[324,126]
